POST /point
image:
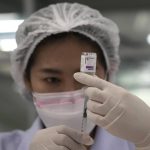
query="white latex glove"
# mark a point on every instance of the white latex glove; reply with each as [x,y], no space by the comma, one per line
[60,138]
[119,112]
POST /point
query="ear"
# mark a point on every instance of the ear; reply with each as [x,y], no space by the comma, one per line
[28,84]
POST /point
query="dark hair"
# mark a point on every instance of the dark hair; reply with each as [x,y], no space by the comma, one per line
[60,36]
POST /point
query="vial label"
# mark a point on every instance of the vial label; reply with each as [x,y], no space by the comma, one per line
[88,62]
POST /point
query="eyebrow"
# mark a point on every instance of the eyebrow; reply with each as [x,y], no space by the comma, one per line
[51,71]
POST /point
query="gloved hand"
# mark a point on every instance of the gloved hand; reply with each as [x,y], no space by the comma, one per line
[60,138]
[115,109]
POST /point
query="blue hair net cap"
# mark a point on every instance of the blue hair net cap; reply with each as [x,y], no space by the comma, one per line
[64,17]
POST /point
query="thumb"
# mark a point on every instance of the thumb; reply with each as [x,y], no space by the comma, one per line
[79,137]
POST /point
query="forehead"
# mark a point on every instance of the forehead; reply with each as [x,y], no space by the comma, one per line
[64,52]
[77,38]
[65,49]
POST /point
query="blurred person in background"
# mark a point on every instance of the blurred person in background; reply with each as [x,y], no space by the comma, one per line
[46,66]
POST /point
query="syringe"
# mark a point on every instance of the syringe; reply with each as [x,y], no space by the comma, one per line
[88,65]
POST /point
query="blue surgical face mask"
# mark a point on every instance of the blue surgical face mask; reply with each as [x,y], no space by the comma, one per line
[62,108]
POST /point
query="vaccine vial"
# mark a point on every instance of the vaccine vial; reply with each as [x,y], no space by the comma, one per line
[88,62]
[88,65]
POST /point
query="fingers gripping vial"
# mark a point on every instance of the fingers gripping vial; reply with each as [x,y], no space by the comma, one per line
[88,65]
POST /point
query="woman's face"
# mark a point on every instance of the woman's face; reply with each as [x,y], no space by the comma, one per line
[55,64]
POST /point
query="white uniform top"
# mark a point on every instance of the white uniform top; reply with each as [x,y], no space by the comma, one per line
[20,140]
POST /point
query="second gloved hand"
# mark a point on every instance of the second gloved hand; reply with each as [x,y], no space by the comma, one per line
[60,138]
[119,112]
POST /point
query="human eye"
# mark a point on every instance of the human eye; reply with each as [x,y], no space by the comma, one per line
[53,80]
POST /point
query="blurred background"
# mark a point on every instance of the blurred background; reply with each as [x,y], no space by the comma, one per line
[133,19]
